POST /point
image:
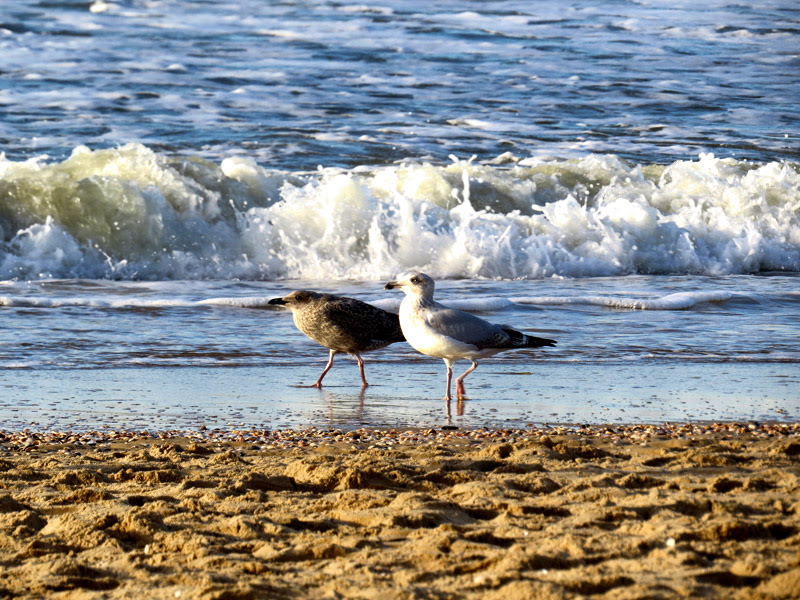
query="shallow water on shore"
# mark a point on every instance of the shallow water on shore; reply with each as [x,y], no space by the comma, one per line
[82,355]
[402,395]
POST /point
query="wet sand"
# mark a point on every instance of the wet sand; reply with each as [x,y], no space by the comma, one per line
[610,512]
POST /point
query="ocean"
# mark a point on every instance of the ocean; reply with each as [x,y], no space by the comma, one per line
[622,177]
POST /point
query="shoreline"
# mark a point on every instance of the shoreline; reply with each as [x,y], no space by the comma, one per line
[26,439]
[660,511]
[404,394]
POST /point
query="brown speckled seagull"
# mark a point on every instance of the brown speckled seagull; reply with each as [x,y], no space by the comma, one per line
[342,324]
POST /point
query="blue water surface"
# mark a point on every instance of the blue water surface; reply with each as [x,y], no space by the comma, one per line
[296,85]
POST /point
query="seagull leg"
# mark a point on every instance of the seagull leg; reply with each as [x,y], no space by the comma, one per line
[460,391]
[449,379]
[361,368]
[318,384]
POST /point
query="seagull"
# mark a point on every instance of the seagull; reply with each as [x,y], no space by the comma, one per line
[436,330]
[341,324]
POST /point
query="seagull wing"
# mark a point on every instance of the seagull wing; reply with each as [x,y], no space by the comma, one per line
[467,328]
[369,326]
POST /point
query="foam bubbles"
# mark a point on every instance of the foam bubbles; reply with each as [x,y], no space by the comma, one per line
[132,213]
[676,301]
[43,250]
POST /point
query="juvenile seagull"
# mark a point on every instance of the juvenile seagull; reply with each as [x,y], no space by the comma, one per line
[451,334]
[342,324]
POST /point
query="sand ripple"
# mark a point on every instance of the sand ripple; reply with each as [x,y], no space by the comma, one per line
[507,517]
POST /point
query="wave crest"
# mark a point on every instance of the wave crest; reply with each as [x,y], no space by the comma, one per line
[131,213]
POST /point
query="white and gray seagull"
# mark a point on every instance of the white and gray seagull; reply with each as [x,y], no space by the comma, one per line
[436,330]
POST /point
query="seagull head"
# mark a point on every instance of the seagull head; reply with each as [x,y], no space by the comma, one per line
[413,284]
[295,300]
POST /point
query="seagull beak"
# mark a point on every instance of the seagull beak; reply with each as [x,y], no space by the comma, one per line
[391,285]
[278,301]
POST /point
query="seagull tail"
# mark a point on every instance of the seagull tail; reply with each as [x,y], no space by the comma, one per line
[521,340]
[537,342]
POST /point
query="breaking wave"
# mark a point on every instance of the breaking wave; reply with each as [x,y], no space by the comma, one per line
[131,213]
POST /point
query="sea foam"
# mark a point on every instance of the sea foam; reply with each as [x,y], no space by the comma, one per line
[677,301]
[131,213]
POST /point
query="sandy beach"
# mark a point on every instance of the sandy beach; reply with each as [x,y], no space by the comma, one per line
[708,511]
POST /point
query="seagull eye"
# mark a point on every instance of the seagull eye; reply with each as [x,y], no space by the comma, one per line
[415,280]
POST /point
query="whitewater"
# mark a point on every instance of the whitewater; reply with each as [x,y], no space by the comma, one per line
[130,213]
